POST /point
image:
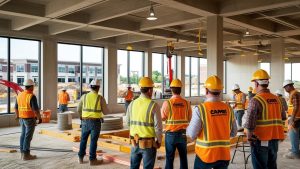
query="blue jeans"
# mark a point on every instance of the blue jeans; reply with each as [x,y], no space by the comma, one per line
[126,105]
[89,127]
[239,116]
[63,108]
[173,141]
[27,126]
[148,155]
[264,157]
[294,137]
[199,164]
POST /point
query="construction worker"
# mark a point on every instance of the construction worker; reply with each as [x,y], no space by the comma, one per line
[128,97]
[263,123]
[27,111]
[212,124]
[63,99]
[239,107]
[293,119]
[145,125]
[91,109]
[282,100]
[177,113]
[250,93]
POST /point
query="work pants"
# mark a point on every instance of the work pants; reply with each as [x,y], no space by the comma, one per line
[221,164]
[27,127]
[137,154]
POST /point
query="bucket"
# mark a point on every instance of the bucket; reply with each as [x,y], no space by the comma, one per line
[64,120]
[46,115]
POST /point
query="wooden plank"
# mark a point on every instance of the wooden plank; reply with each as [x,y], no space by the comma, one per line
[8,150]
[61,135]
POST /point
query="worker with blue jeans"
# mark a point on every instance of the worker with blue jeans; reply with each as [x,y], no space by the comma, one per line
[91,109]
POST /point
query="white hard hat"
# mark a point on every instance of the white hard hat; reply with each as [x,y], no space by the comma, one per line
[28,82]
[64,88]
[235,87]
[287,82]
[279,92]
[95,82]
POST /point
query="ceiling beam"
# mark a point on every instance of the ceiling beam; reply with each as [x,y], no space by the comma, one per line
[157,43]
[294,10]
[3,2]
[104,34]
[170,20]
[238,7]
[282,22]
[118,8]
[22,23]
[125,39]
[199,7]
[61,28]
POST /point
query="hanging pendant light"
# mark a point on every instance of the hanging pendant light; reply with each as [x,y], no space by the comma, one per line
[129,47]
[151,16]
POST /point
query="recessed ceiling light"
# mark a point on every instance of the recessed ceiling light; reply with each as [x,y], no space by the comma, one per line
[151,16]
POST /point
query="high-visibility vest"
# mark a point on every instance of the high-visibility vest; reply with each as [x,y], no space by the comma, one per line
[291,107]
[129,95]
[63,98]
[213,142]
[141,119]
[178,114]
[24,107]
[238,99]
[269,125]
[91,106]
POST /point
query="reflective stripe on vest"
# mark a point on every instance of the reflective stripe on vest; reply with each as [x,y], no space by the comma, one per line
[141,118]
[213,142]
[269,126]
[178,114]
[24,108]
[291,107]
[238,99]
[91,106]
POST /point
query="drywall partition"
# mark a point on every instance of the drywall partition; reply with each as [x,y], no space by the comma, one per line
[239,71]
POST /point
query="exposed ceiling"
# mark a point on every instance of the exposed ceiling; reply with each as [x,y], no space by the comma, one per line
[124,22]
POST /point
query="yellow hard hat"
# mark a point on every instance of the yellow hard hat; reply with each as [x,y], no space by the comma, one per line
[250,89]
[260,74]
[146,82]
[176,83]
[213,83]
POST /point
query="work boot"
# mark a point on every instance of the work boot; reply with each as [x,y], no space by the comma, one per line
[95,162]
[291,155]
[28,156]
[80,160]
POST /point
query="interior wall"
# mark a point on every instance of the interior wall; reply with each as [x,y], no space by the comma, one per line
[239,71]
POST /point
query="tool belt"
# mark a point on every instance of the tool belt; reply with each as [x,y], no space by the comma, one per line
[143,143]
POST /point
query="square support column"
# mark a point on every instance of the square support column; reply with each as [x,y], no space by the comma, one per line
[277,64]
[110,76]
[148,63]
[215,46]
[49,76]
[181,71]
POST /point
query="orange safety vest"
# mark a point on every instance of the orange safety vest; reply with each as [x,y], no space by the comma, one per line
[129,95]
[213,142]
[291,107]
[24,108]
[63,98]
[178,117]
[269,125]
[239,104]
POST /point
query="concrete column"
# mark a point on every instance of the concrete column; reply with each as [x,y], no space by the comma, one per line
[148,63]
[181,71]
[49,76]
[215,46]
[277,64]
[110,76]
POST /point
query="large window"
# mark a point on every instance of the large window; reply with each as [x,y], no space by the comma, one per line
[74,59]
[292,73]
[160,74]
[34,67]
[16,56]
[266,66]
[130,70]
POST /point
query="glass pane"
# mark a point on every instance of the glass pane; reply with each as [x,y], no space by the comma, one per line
[157,75]
[296,75]
[3,74]
[122,74]
[92,68]
[194,76]
[68,71]
[203,75]
[266,67]
[287,71]
[24,54]
[187,76]
[136,68]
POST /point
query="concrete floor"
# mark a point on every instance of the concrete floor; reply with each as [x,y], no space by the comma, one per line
[56,160]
